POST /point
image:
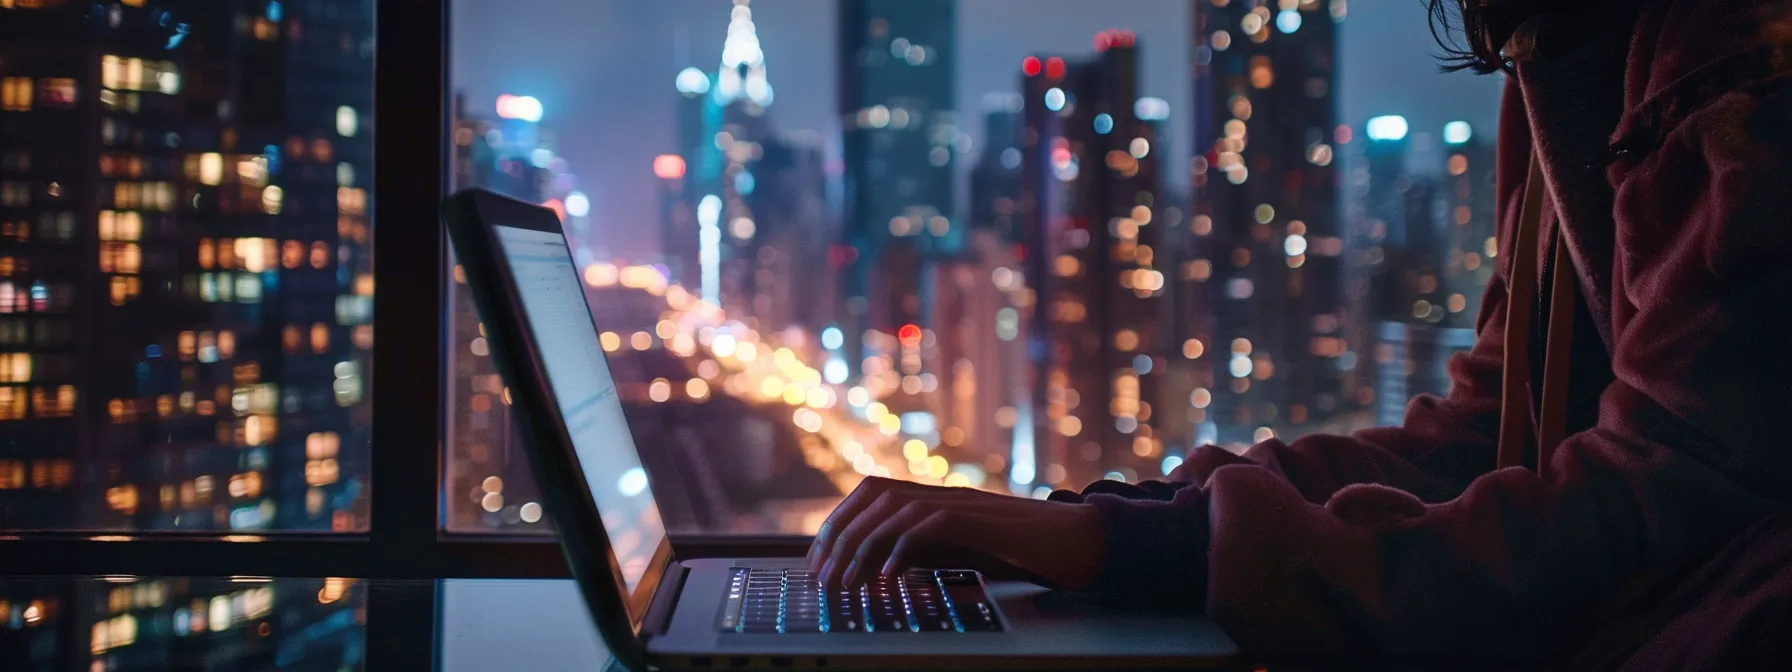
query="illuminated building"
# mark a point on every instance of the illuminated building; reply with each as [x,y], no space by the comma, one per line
[981,341]
[742,207]
[1431,236]
[995,182]
[186,234]
[1470,246]
[790,244]
[1092,229]
[1264,198]
[738,131]
[680,238]
[900,143]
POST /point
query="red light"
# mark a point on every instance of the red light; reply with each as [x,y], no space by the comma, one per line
[668,166]
[910,334]
[1030,66]
[1102,40]
[841,255]
[1127,38]
[1342,135]
[1054,68]
[558,208]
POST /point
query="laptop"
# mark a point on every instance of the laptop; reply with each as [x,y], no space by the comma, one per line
[655,610]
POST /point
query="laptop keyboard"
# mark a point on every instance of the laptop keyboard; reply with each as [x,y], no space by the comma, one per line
[783,601]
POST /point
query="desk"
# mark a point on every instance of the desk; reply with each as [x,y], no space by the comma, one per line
[58,624]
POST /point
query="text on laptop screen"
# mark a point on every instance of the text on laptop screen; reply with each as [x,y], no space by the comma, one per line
[561,324]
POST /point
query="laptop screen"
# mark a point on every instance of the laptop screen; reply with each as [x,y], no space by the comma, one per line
[560,322]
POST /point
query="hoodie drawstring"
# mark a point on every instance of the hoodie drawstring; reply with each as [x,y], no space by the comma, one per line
[1521,297]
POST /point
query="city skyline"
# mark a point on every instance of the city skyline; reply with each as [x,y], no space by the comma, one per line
[1384,51]
[1134,316]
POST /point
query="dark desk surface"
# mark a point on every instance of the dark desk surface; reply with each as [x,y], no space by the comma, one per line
[244,623]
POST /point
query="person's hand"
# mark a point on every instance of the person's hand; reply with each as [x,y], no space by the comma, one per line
[886,526]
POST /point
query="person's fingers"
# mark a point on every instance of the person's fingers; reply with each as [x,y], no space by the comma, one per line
[851,537]
[839,550]
[861,497]
[868,556]
[939,528]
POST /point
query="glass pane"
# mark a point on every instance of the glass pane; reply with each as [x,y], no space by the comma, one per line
[516,625]
[1008,244]
[185,270]
[130,623]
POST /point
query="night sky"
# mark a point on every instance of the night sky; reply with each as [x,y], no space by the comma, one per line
[603,70]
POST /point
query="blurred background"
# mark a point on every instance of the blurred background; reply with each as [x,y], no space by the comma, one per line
[1007,244]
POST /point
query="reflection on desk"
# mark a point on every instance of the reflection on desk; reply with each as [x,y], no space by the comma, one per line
[326,624]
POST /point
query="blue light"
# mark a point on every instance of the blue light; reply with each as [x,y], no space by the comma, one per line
[919,423]
[1288,21]
[275,11]
[1458,132]
[692,82]
[1389,127]
[832,338]
[1104,123]
[1011,158]
[180,33]
[1151,109]
[1022,467]
[1171,463]
[744,183]
[1054,99]
[272,152]
[152,351]
[1142,364]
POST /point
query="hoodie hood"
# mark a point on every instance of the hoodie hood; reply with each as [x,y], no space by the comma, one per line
[1683,53]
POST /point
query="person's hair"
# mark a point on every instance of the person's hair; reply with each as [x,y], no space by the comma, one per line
[1472,32]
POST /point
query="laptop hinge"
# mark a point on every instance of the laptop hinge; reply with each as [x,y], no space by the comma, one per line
[659,611]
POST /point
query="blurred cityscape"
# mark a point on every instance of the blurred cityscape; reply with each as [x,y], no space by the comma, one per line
[825,308]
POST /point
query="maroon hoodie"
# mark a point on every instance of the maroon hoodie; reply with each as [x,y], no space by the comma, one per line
[1665,128]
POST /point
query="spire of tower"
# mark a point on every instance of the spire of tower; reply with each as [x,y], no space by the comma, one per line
[743,63]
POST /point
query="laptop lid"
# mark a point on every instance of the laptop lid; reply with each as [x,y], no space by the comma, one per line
[543,339]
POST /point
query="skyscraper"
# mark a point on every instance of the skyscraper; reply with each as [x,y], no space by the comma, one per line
[742,205]
[1264,193]
[1088,202]
[187,281]
[900,139]
[982,343]
[995,182]
[793,231]
[1469,245]
[1431,249]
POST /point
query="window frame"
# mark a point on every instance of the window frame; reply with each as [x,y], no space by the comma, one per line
[405,537]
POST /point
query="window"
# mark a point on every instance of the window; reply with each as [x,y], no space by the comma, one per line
[15,94]
[986,247]
[153,262]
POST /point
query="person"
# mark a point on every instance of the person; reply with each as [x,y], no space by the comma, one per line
[1616,424]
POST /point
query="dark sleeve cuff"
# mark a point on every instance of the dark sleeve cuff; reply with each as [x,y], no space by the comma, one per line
[1157,550]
